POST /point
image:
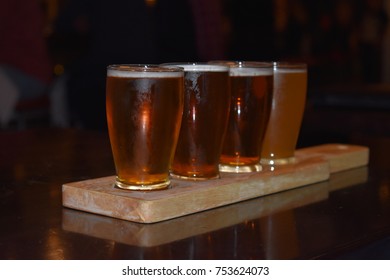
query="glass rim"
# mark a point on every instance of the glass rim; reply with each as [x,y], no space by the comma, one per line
[143,68]
[289,65]
[241,68]
[242,63]
[143,71]
[197,66]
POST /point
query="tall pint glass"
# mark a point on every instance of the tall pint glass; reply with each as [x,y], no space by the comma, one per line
[205,116]
[288,105]
[251,85]
[144,105]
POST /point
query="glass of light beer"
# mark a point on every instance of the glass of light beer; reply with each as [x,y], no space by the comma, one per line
[251,85]
[144,106]
[205,116]
[288,105]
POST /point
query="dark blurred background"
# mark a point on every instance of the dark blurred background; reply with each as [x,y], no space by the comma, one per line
[346,44]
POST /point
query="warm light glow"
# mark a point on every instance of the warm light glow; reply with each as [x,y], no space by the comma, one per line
[145,119]
[193,114]
[150,3]
[238,107]
[59,69]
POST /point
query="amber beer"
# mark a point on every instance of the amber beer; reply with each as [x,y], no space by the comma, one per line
[290,87]
[206,110]
[251,90]
[144,106]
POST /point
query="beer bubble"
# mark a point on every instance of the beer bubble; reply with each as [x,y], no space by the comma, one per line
[191,82]
[143,85]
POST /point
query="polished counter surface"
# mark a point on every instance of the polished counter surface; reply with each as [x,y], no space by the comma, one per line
[347,216]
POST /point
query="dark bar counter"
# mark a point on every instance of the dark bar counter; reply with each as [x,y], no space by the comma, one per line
[345,217]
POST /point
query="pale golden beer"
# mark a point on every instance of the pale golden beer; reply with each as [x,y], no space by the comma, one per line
[251,86]
[144,105]
[206,111]
[288,105]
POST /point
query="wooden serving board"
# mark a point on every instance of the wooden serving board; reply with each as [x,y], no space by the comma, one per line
[155,234]
[314,164]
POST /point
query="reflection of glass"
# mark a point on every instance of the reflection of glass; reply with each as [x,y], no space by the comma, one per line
[206,109]
[288,104]
[280,235]
[251,85]
[144,107]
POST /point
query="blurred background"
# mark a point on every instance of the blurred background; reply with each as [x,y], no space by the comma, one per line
[54,53]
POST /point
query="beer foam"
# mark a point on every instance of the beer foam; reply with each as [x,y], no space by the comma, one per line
[250,71]
[202,67]
[150,73]
[290,70]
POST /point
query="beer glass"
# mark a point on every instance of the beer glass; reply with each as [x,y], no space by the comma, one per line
[205,116]
[251,86]
[288,105]
[144,105]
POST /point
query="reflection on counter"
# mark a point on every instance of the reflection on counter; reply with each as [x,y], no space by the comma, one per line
[348,178]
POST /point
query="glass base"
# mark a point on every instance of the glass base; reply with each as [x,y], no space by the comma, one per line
[149,187]
[277,161]
[194,178]
[240,168]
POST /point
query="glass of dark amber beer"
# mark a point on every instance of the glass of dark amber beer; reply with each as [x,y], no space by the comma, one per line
[205,116]
[288,105]
[144,105]
[251,85]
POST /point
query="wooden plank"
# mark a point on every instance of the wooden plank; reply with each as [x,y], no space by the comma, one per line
[341,157]
[149,235]
[99,195]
